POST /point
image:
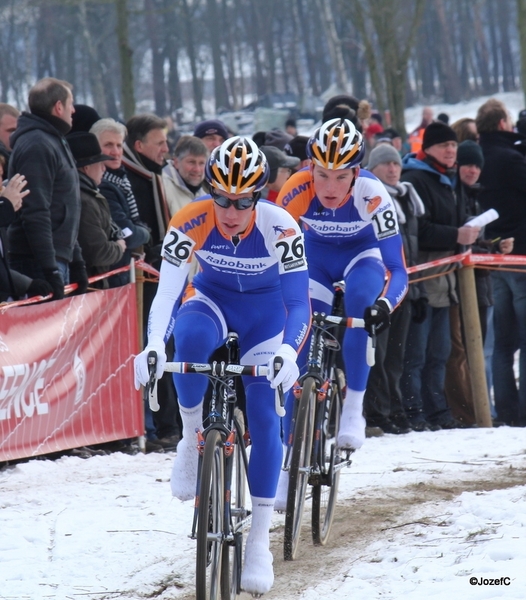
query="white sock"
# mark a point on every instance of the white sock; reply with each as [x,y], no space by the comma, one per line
[258,575]
[192,419]
[352,423]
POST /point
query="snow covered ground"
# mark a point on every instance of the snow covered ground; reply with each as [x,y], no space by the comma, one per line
[418,515]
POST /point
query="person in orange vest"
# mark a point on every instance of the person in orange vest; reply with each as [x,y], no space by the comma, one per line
[416,137]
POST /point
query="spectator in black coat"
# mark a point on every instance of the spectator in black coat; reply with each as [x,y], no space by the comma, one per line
[43,236]
[441,229]
[503,182]
[14,285]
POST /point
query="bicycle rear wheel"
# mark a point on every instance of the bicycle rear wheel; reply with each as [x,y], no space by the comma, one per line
[325,491]
[232,560]
[299,468]
[210,520]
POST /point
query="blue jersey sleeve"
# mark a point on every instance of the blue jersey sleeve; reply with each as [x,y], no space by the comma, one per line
[393,259]
[295,290]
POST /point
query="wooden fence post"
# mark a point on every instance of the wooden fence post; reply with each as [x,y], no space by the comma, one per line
[474,345]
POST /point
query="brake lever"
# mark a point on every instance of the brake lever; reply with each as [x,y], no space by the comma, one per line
[150,389]
[371,347]
[280,396]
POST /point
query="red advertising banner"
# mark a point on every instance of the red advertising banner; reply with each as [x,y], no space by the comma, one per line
[66,373]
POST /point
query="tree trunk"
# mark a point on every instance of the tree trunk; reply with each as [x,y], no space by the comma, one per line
[450,77]
[97,87]
[230,43]
[507,57]
[334,43]
[158,85]
[220,89]
[125,55]
[190,48]
[305,27]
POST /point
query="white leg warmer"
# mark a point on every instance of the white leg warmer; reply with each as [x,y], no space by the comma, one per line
[352,423]
[184,470]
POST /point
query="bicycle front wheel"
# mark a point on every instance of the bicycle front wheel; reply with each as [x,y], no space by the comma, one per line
[325,491]
[232,561]
[210,520]
[299,468]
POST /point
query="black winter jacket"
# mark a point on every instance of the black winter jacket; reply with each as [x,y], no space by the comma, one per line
[438,228]
[503,181]
[46,226]
[12,284]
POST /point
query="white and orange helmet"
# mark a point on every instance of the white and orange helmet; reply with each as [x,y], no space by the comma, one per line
[237,166]
[336,145]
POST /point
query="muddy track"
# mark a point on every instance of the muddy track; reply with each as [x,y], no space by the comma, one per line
[361,521]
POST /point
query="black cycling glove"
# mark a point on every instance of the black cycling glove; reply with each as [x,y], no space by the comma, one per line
[377,315]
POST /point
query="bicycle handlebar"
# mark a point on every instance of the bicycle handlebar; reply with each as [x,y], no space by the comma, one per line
[349,322]
[216,368]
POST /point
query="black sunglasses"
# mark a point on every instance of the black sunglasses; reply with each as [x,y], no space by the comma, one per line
[240,204]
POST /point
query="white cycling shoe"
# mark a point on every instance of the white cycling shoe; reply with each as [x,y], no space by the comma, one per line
[280,504]
[184,470]
[258,575]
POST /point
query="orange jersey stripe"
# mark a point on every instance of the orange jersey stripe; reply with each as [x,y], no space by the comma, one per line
[196,220]
[297,194]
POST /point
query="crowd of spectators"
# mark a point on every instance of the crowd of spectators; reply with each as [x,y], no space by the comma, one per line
[81,194]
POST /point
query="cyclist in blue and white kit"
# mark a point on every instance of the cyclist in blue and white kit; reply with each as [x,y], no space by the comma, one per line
[351,233]
[253,279]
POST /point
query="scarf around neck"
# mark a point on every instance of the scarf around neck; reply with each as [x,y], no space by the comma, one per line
[401,189]
[162,213]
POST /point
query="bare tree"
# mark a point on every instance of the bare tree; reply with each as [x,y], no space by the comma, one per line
[221,93]
[334,43]
[395,23]
[125,54]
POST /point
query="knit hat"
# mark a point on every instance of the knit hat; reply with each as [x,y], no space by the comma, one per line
[470,153]
[276,159]
[438,133]
[383,153]
[277,138]
[211,127]
[85,148]
[298,147]
[83,118]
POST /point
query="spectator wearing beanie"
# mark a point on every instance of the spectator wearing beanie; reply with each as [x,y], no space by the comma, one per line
[277,138]
[441,229]
[298,147]
[383,402]
[383,154]
[458,385]
[84,118]
[213,133]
